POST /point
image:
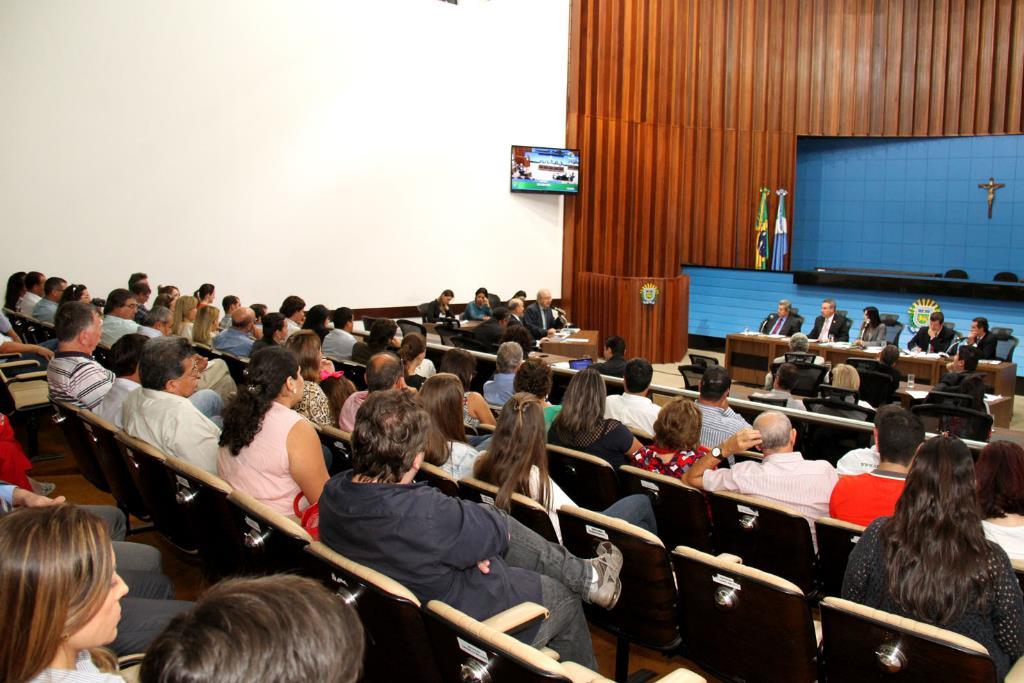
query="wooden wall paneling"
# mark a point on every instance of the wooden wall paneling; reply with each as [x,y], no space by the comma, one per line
[940,43]
[969,79]
[986,62]
[1015,89]
[1001,62]
[954,76]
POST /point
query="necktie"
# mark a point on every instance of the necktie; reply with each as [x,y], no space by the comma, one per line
[778,326]
[825,325]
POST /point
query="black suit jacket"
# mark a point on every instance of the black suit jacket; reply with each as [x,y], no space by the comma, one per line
[951,382]
[489,333]
[789,328]
[614,366]
[539,322]
[986,347]
[838,322]
[940,344]
[433,313]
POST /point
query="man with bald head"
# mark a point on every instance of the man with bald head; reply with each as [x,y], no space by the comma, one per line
[384,371]
[540,318]
[784,476]
[238,339]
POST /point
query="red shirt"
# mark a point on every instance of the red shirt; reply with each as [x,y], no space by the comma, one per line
[648,458]
[863,498]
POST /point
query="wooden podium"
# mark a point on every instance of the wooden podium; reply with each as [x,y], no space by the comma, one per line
[613,305]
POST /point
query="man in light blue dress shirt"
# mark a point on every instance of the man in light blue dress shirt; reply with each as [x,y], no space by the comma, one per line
[46,309]
[237,339]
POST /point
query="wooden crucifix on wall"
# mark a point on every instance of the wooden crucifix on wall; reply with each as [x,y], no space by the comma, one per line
[991,186]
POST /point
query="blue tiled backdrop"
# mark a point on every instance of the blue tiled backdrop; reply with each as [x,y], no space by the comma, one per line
[909,204]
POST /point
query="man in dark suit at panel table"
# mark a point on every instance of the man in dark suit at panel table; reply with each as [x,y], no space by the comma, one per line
[540,318]
[490,331]
[980,338]
[932,339]
[829,324]
[782,321]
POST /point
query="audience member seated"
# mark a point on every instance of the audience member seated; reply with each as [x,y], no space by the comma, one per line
[718,420]
[34,290]
[440,308]
[413,352]
[1000,471]
[462,364]
[829,325]
[798,343]
[293,309]
[964,366]
[75,293]
[161,413]
[205,294]
[337,388]
[316,320]
[10,343]
[499,388]
[581,424]
[447,446]
[478,308]
[73,375]
[633,408]
[614,363]
[973,387]
[339,342]
[490,331]
[867,495]
[535,377]
[784,476]
[238,338]
[934,338]
[259,310]
[540,318]
[786,378]
[185,311]
[267,449]
[15,291]
[46,310]
[140,291]
[872,330]
[516,311]
[930,561]
[274,333]
[123,361]
[845,376]
[157,323]
[229,304]
[383,372]
[781,322]
[118,316]
[980,339]
[313,404]
[520,335]
[380,339]
[282,628]
[516,461]
[206,325]
[887,359]
[473,557]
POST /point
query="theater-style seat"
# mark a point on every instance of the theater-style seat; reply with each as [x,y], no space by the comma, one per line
[526,511]
[587,479]
[681,510]
[103,438]
[439,479]
[201,507]
[692,375]
[268,541]
[836,540]
[339,443]
[78,441]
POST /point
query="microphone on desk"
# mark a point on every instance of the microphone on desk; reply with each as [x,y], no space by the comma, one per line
[764,324]
[561,315]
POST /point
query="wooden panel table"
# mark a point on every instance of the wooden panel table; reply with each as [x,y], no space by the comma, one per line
[573,349]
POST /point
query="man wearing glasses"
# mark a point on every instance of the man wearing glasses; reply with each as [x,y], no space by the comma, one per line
[119,316]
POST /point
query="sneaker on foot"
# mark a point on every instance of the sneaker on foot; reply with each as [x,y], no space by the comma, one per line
[608,563]
[43,488]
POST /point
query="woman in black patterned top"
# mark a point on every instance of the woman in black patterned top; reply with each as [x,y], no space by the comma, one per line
[930,561]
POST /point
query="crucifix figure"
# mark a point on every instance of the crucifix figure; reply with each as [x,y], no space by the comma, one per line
[991,186]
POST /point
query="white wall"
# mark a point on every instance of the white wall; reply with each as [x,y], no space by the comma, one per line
[355,153]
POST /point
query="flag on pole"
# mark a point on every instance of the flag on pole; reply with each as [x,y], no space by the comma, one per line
[761,229]
[780,248]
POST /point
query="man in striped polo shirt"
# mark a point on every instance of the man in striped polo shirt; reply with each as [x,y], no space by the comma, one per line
[73,375]
[718,420]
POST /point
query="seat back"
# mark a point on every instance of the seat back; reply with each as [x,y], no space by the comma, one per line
[493,300]
[692,375]
[893,333]
[79,443]
[423,308]
[236,366]
[465,340]
[810,376]
[367,322]
[949,398]
[268,541]
[201,508]
[779,401]
[409,327]
[447,335]
[956,273]
[1005,276]
[828,442]
[102,434]
[800,357]
[877,388]
[836,540]
[962,422]
[390,614]
[339,443]
[762,624]
[646,610]
[355,372]
[158,488]
[844,331]
[587,479]
[859,640]
[838,393]
[859,364]
[1005,343]
[439,479]
[526,511]
[703,361]
[681,510]
[768,536]
[1018,569]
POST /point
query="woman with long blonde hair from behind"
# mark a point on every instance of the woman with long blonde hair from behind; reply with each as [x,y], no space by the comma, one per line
[61,596]
[185,310]
[206,325]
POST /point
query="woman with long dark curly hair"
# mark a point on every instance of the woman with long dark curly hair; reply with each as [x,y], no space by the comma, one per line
[930,561]
[267,449]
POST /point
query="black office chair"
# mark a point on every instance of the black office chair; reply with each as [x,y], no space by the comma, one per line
[423,308]
[877,388]
[1005,276]
[408,327]
[691,375]
[948,398]
[367,322]
[827,442]
[867,364]
[962,422]
[956,273]
[838,393]
[494,300]
[464,341]
[844,331]
[809,378]
[951,326]
[769,400]
[704,361]
[893,332]
[1005,343]
[800,357]
[447,335]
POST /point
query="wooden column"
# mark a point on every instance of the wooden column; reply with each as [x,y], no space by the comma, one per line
[611,304]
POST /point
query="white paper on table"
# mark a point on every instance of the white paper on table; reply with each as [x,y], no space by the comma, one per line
[561,364]
[573,340]
[774,336]
[916,393]
[992,397]
[991,362]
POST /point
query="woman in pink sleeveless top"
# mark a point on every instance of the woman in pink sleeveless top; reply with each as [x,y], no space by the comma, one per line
[267,449]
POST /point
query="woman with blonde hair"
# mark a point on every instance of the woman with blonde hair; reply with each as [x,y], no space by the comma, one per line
[206,325]
[61,596]
[314,406]
[447,448]
[185,309]
[845,377]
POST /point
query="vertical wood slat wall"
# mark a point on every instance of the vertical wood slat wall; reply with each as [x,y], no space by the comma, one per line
[682,109]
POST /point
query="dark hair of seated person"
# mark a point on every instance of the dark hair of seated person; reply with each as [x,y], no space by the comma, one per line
[259,310]
[582,411]
[160,300]
[229,301]
[441,397]
[517,446]
[316,320]
[243,416]
[337,390]
[1000,471]
[900,432]
[889,355]
[341,317]
[969,355]
[15,290]
[617,345]
[205,290]
[382,331]
[874,320]
[534,376]
[391,430]
[637,375]
[281,628]
[123,359]
[974,386]
[71,293]
[72,319]
[272,324]
[787,376]
[460,363]
[520,335]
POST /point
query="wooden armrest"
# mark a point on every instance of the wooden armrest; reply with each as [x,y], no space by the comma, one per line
[581,674]
[682,676]
[729,557]
[28,377]
[18,363]
[1016,673]
[517,618]
[12,354]
[548,652]
[130,660]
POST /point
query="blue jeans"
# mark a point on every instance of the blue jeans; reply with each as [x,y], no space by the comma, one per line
[209,403]
[635,509]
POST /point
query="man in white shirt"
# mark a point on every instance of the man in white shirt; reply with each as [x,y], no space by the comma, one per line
[633,408]
[34,283]
[157,322]
[339,342]
[119,316]
[293,309]
[160,412]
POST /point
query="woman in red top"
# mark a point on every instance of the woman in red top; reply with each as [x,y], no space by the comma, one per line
[676,440]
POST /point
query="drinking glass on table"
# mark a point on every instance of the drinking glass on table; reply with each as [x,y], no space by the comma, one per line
[910,380]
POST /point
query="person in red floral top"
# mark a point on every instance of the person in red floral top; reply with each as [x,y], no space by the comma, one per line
[676,440]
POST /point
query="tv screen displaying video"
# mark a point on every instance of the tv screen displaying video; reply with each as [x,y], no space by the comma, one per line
[545,169]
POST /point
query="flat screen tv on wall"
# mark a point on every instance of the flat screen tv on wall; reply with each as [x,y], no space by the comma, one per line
[546,170]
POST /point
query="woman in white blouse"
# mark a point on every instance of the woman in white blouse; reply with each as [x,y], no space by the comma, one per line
[1000,472]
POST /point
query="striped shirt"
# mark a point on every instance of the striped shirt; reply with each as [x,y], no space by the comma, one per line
[84,672]
[718,424]
[76,378]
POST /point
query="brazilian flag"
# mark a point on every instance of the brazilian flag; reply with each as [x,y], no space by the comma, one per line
[761,230]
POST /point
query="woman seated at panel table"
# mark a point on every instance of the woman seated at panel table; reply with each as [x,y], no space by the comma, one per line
[479,308]
[440,307]
[872,330]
